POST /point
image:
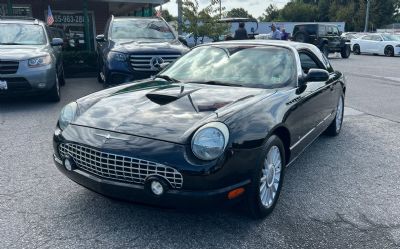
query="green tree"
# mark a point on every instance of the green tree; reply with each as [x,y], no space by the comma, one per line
[297,11]
[168,17]
[239,12]
[272,13]
[201,23]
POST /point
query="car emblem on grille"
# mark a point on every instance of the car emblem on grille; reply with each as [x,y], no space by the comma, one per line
[108,136]
[156,62]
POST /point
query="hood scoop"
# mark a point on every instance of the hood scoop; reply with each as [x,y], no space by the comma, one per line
[169,94]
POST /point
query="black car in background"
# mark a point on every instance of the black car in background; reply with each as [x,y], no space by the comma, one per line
[134,48]
[221,124]
[326,37]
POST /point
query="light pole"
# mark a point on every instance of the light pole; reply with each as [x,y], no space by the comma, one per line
[180,23]
[367,17]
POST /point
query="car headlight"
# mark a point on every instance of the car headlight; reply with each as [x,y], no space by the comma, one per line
[67,115]
[209,142]
[116,56]
[39,61]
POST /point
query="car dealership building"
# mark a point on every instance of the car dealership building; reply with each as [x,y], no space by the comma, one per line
[81,20]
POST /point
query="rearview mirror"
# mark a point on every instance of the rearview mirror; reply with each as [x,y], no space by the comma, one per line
[315,75]
[100,38]
[57,42]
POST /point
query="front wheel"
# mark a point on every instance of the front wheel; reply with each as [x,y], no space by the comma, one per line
[345,53]
[55,94]
[389,51]
[267,179]
[356,49]
[336,125]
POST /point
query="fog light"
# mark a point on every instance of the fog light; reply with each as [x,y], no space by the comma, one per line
[68,164]
[42,85]
[157,188]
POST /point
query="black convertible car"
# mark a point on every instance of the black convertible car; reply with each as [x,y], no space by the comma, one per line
[219,125]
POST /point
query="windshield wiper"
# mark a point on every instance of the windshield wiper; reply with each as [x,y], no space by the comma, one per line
[11,43]
[167,78]
[215,82]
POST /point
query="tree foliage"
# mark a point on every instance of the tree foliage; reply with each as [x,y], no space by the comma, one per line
[239,12]
[202,22]
[352,12]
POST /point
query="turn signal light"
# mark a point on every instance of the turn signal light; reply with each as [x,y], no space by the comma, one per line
[235,193]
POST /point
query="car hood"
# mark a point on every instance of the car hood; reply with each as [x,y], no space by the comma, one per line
[148,46]
[164,111]
[18,52]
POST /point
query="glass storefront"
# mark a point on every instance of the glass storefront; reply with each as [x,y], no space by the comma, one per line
[17,9]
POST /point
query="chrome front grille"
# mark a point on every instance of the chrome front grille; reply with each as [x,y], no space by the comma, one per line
[120,168]
[8,67]
[146,62]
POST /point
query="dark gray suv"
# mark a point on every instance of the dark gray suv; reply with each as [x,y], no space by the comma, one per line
[326,37]
[30,59]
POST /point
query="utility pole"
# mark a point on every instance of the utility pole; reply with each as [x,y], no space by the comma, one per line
[367,17]
[180,22]
[220,9]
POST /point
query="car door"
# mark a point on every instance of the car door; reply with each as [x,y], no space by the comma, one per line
[335,38]
[104,47]
[312,105]
[367,44]
[57,50]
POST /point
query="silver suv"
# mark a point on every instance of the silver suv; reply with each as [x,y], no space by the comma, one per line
[30,59]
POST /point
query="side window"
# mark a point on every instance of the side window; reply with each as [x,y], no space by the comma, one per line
[322,30]
[376,38]
[329,30]
[308,62]
[367,37]
[335,31]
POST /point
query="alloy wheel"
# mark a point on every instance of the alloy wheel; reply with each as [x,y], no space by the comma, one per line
[339,114]
[270,177]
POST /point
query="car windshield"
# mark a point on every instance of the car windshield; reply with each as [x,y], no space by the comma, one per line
[132,29]
[250,66]
[390,37]
[21,34]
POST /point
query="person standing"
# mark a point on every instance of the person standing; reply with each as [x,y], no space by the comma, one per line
[285,36]
[275,33]
[241,32]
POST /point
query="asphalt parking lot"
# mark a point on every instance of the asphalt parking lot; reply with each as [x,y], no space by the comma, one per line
[342,192]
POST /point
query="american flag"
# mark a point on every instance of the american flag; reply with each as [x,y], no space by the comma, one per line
[50,18]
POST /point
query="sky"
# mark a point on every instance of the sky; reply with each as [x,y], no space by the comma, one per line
[254,7]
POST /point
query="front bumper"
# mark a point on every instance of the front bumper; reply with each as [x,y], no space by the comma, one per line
[202,181]
[29,81]
[142,194]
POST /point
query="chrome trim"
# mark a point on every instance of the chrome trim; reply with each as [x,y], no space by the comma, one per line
[108,136]
[144,62]
[309,133]
[117,167]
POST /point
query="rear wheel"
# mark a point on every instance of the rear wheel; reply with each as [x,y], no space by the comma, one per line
[389,51]
[345,53]
[267,179]
[356,49]
[325,50]
[301,37]
[336,125]
[55,94]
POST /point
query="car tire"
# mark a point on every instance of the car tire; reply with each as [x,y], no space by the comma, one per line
[325,50]
[336,126]
[389,51]
[62,76]
[55,93]
[346,51]
[301,37]
[356,49]
[267,179]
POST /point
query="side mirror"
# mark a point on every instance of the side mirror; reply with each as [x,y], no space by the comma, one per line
[315,75]
[183,40]
[100,38]
[57,42]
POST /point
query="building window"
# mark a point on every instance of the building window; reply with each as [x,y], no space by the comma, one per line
[18,10]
